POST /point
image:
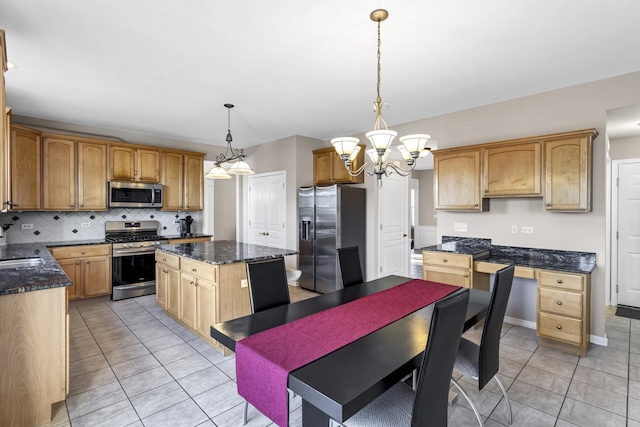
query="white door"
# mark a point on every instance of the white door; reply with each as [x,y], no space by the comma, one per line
[267,209]
[629,234]
[393,240]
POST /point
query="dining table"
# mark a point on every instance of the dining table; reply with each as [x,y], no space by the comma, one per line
[339,384]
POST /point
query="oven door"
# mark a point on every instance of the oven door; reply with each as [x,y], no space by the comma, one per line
[133,275]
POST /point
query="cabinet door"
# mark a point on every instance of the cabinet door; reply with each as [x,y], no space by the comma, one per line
[72,268]
[193,182]
[5,136]
[172,181]
[188,300]
[147,165]
[568,174]
[323,167]
[92,176]
[457,181]
[510,171]
[173,292]
[162,276]
[450,276]
[97,276]
[121,163]
[59,174]
[25,169]
[206,310]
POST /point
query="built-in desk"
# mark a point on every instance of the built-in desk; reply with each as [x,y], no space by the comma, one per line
[563,283]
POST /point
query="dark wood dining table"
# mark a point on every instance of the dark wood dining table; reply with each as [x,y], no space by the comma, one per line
[341,383]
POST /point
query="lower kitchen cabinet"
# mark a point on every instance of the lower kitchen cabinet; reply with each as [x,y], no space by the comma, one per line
[88,268]
[168,282]
[34,348]
[452,269]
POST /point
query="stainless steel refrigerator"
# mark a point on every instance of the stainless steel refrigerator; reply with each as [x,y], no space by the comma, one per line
[329,218]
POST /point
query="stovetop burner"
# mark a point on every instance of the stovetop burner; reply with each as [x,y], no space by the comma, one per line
[132,231]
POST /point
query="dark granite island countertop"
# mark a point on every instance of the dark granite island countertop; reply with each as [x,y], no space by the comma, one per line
[547,259]
[225,251]
[46,275]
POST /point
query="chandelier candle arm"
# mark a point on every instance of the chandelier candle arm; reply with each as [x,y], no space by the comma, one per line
[412,146]
[232,160]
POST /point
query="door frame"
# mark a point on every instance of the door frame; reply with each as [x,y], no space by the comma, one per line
[614,226]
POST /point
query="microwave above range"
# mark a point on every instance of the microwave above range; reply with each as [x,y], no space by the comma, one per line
[134,195]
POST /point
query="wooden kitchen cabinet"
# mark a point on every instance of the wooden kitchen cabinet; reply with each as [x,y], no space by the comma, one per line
[5,132]
[512,170]
[188,300]
[452,269]
[183,181]
[456,175]
[563,317]
[74,174]
[127,163]
[88,268]
[24,177]
[168,282]
[183,240]
[568,172]
[329,169]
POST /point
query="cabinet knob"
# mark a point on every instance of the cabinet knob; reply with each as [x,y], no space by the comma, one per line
[71,206]
[15,206]
[82,252]
[82,205]
[194,270]
[191,283]
[559,302]
[466,275]
[559,327]
[444,260]
[87,262]
[560,281]
[548,205]
[77,262]
[486,191]
[475,206]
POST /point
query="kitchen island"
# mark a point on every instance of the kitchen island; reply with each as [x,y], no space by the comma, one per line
[200,284]
[33,334]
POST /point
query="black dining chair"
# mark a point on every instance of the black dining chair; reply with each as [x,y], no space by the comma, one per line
[482,362]
[268,288]
[428,405]
[349,263]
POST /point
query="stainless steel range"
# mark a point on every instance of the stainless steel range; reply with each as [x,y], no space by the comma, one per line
[133,245]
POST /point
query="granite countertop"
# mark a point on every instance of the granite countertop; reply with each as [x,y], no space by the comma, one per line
[548,259]
[25,279]
[225,251]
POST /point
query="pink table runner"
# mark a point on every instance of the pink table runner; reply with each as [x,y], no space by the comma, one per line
[264,360]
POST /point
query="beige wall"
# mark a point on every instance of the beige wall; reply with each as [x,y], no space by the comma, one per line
[426,214]
[624,148]
[224,209]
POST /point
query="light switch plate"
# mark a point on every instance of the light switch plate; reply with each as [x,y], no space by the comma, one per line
[244,283]
[460,226]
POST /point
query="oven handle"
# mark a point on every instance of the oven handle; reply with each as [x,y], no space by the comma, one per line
[136,251]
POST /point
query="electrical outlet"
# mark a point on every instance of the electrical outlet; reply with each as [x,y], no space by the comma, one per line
[460,226]
[514,229]
[85,225]
[527,230]
[27,226]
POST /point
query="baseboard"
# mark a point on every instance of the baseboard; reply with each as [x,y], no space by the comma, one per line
[593,339]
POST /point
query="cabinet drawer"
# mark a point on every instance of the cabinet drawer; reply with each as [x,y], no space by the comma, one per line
[560,302]
[492,268]
[573,282]
[199,269]
[447,259]
[560,328]
[80,251]
[450,276]
[170,260]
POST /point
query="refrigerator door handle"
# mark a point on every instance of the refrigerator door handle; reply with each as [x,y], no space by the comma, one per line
[305,230]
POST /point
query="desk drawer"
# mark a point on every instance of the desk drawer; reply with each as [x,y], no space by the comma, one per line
[572,282]
[492,268]
[450,276]
[560,328]
[447,259]
[64,252]
[560,302]
[199,269]
[168,259]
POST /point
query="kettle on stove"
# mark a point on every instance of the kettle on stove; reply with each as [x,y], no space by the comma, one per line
[185,225]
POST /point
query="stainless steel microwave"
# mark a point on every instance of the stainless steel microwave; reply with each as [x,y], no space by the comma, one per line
[135,195]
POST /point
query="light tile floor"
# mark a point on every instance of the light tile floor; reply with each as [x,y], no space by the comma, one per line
[132,365]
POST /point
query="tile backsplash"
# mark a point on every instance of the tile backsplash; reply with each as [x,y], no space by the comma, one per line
[63,226]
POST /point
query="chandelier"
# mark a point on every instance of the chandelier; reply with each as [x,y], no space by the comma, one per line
[232,160]
[413,146]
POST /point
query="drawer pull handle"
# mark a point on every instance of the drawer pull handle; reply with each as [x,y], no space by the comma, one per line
[560,281]
[191,283]
[559,303]
[444,260]
[194,270]
[466,275]
[559,327]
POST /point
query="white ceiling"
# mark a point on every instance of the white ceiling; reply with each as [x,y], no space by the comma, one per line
[166,67]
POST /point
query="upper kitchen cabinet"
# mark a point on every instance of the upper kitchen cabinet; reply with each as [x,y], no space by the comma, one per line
[24,170]
[456,175]
[74,174]
[183,181]
[568,171]
[128,163]
[329,169]
[511,170]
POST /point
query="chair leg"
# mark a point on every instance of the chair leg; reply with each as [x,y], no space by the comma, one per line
[244,415]
[414,380]
[504,392]
[466,396]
